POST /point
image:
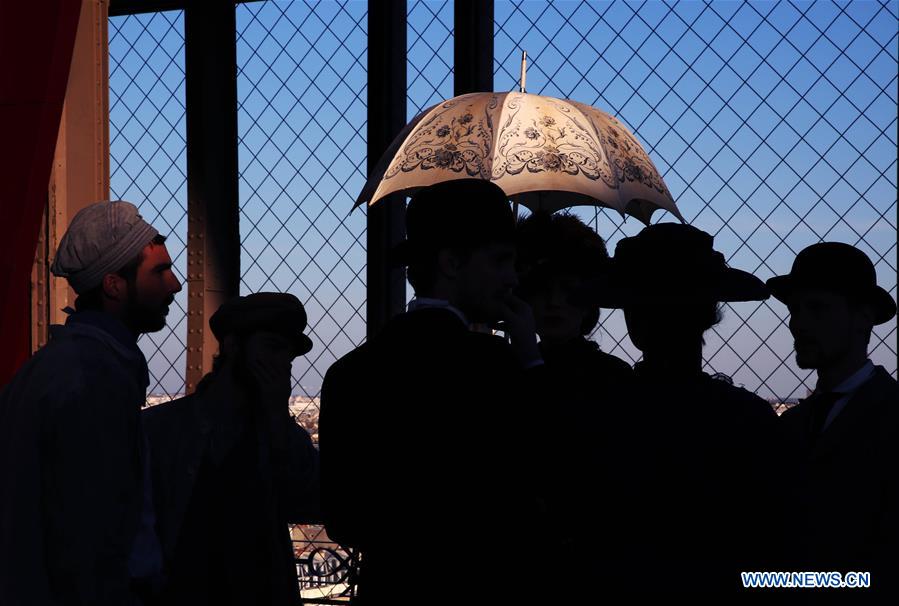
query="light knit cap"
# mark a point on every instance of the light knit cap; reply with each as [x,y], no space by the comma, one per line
[102,238]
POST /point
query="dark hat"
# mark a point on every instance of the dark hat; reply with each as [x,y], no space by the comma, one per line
[263,311]
[462,212]
[671,263]
[836,267]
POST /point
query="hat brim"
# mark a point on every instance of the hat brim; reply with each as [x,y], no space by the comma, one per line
[615,291]
[235,318]
[783,288]
[303,345]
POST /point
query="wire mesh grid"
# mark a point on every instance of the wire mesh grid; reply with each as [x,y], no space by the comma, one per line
[301,123]
[429,75]
[302,160]
[147,149]
[772,123]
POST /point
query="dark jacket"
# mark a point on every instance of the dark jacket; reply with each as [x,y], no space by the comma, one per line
[70,473]
[709,455]
[224,498]
[846,516]
[586,470]
[585,368]
[423,432]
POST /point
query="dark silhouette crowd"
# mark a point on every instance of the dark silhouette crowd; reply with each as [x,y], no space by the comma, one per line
[654,479]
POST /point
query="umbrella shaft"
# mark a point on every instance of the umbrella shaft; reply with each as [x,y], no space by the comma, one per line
[524,69]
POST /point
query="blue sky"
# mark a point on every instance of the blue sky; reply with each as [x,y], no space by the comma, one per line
[772,123]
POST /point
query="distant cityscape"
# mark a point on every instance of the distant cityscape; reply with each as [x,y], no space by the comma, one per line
[303,409]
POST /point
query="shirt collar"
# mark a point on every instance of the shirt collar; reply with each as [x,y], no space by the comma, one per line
[107,323]
[428,303]
[855,380]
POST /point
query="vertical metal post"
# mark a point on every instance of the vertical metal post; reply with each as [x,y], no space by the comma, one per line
[40,287]
[80,172]
[473,56]
[473,46]
[213,236]
[386,285]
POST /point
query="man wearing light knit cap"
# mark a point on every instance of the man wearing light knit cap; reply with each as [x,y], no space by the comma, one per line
[76,514]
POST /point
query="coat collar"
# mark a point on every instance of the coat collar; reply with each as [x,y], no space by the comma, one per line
[419,303]
[107,323]
[853,381]
[99,329]
[865,398]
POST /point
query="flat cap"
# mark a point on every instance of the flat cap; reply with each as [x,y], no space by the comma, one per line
[276,312]
[102,238]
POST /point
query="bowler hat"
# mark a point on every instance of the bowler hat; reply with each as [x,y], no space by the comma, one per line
[461,213]
[836,267]
[276,312]
[671,263]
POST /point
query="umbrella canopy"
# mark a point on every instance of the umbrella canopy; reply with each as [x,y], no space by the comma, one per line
[545,153]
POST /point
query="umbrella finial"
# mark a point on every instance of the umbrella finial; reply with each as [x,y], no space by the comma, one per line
[524,68]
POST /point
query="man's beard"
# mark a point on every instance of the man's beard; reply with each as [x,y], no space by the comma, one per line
[145,318]
[242,375]
[246,379]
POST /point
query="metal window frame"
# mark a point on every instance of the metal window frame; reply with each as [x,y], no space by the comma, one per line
[213,210]
[213,240]
[213,247]
[385,284]
[120,8]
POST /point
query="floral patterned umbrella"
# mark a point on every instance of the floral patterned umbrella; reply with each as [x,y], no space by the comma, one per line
[543,152]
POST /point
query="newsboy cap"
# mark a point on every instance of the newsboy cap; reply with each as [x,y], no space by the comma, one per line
[276,312]
[102,238]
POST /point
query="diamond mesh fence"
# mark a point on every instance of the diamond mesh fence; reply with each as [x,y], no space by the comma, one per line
[302,160]
[429,71]
[301,125]
[772,123]
[429,76]
[147,149]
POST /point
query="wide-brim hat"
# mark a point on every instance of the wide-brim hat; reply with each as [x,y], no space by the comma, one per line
[670,263]
[462,213]
[276,312]
[836,267]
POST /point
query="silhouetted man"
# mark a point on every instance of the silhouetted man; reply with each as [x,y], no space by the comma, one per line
[704,454]
[76,519]
[847,432]
[557,255]
[421,427]
[231,468]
